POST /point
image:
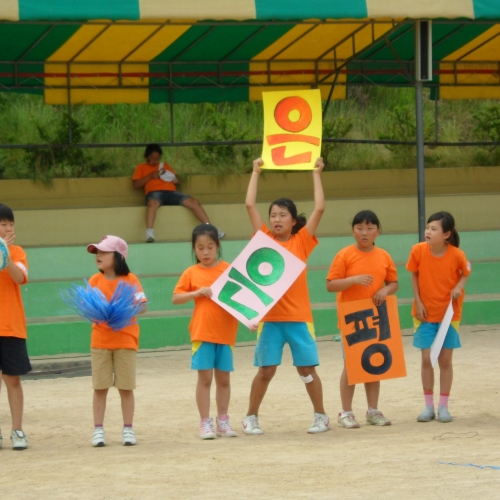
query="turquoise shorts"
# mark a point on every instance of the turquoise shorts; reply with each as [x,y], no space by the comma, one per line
[207,356]
[425,333]
[272,337]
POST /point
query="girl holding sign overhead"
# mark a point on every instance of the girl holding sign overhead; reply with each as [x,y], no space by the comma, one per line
[439,271]
[362,271]
[290,320]
[212,329]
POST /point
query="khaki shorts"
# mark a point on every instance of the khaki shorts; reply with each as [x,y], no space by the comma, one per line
[113,367]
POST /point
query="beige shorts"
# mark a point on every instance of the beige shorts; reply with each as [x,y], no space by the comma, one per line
[113,367]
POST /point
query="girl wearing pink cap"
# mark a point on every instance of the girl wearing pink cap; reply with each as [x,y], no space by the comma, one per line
[113,353]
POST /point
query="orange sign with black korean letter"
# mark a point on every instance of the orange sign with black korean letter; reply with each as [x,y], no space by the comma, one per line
[371,337]
[292,129]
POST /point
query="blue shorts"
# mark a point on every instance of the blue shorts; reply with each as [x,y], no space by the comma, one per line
[167,197]
[425,333]
[272,337]
[207,356]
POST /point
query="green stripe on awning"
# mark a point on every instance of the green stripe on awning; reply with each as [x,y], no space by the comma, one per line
[310,9]
[64,10]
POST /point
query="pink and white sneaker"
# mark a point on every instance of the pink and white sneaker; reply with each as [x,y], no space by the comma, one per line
[224,428]
[207,429]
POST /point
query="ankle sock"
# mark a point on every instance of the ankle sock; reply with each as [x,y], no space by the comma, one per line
[443,400]
[429,398]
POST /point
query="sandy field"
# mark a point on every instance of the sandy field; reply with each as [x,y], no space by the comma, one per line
[170,461]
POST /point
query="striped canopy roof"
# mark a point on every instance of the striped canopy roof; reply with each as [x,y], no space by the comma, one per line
[110,51]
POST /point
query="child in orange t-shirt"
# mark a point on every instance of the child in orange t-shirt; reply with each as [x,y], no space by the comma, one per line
[439,271]
[362,271]
[159,182]
[290,320]
[14,360]
[212,329]
[113,353]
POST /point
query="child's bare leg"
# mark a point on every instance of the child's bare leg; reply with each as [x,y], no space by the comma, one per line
[151,208]
[446,369]
[128,406]
[427,371]
[259,387]
[346,391]
[99,405]
[372,394]
[203,392]
[16,400]
[314,388]
[222,391]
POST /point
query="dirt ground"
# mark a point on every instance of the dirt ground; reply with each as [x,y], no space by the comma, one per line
[170,461]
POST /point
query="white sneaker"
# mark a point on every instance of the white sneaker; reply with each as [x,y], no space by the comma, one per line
[207,429]
[321,424]
[224,428]
[250,425]
[221,234]
[128,436]
[19,440]
[150,235]
[98,437]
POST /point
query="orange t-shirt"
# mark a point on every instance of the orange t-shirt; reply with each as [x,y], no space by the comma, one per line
[12,318]
[437,276]
[210,323]
[102,335]
[351,261]
[154,184]
[295,304]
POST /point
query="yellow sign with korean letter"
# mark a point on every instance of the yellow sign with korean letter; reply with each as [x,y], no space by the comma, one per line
[292,129]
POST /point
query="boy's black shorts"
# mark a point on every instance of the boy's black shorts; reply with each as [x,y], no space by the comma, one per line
[14,358]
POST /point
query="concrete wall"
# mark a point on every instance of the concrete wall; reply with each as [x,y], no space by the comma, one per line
[79,211]
[118,191]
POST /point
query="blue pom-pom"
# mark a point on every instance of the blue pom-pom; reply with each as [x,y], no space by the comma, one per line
[123,306]
[91,304]
[86,301]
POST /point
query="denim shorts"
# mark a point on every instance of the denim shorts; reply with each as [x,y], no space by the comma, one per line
[167,197]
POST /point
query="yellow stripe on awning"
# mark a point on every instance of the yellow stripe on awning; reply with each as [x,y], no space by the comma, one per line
[308,42]
[468,69]
[106,43]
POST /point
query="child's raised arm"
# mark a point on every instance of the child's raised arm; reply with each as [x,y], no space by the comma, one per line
[319,198]
[251,199]
[182,298]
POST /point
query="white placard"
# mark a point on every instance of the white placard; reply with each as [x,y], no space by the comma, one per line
[256,280]
[441,334]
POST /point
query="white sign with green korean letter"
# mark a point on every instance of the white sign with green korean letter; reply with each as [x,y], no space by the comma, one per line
[256,280]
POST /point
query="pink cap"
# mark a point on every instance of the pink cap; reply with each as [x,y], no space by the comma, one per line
[110,244]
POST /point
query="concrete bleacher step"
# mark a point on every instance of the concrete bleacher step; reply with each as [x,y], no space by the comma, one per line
[53,329]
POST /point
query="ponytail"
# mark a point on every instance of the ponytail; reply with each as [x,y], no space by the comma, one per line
[448,224]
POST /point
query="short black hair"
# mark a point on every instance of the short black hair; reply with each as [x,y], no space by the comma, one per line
[121,266]
[6,213]
[153,148]
[366,216]
[206,230]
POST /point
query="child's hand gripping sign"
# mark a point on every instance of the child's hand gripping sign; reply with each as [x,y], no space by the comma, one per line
[292,129]
[256,280]
[371,337]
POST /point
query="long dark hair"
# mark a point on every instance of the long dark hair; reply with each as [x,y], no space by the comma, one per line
[290,206]
[206,230]
[366,216]
[448,224]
